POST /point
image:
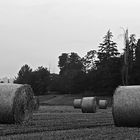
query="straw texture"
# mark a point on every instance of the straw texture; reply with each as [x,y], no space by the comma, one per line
[15,103]
[126,106]
[88,105]
[102,104]
[77,103]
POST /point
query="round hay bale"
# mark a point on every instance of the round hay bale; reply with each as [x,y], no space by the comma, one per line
[88,105]
[103,104]
[77,103]
[126,106]
[15,103]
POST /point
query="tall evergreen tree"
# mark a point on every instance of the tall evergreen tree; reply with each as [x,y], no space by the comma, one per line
[108,65]
[108,48]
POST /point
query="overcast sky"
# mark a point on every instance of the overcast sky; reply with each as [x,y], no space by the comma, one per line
[37,32]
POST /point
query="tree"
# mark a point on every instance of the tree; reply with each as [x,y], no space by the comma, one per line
[63,62]
[107,49]
[129,58]
[132,49]
[40,80]
[125,67]
[24,75]
[108,65]
[55,84]
[69,62]
[89,60]
[137,53]
[71,66]
[135,73]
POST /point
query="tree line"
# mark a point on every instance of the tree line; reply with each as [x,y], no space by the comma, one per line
[98,72]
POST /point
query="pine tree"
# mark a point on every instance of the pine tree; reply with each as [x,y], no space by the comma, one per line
[108,48]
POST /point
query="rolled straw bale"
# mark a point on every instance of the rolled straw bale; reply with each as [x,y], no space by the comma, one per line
[102,104]
[88,105]
[77,103]
[15,103]
[126,106]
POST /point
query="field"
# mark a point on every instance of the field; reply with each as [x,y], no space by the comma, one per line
[53,122]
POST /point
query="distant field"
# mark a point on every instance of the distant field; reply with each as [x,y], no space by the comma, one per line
[66,99]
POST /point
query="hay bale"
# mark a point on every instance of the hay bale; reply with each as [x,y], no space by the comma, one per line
[77,103]
[126,106]
[103,104]
[15,103]
[88,105]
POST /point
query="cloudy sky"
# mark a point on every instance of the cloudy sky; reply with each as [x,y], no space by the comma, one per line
[37,32]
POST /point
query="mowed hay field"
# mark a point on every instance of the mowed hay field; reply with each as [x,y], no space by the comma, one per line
[63,122]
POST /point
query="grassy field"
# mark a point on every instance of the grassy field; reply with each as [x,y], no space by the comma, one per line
[66,99]
[63,122]
[58,99]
